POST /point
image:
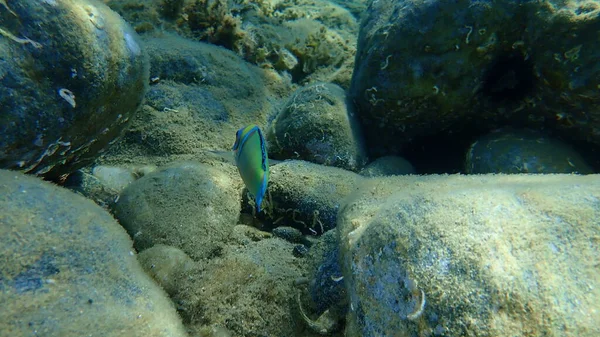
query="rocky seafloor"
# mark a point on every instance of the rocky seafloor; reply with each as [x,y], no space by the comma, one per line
[435,175]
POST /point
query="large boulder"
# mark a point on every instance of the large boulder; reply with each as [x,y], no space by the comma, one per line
[433,67]
[497,255]
[200,96]
[72,74]
[68,269]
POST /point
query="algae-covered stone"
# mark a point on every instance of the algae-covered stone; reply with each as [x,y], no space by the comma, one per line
[67,268]
[201,96]
[103,184]
[523,151]
[494,255]
[315,40]
[388,166]
[327,287]
[167,265]
[73,73]
[307,196]
[428,67]
[318,124]
[189,206]
[248,290]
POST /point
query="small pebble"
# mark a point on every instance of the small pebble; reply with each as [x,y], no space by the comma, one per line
[300,250]
[289,234]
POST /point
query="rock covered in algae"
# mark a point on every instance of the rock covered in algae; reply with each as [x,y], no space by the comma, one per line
[327,287]
[318,124]
[201,96]
[311,40]
[167,265]
[189,206]
[73,75]
[493,255]
[307,196]
[523,151]
[426,67]
[388,166]
[67,268]
[248,289]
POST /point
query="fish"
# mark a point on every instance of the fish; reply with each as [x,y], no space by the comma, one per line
[252,161]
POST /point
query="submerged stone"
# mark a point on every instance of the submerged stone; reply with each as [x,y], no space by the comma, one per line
[493,255]
[68,269]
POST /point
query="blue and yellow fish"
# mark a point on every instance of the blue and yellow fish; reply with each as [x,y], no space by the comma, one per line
[252,161]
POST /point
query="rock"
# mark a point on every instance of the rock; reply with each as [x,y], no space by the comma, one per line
[113,177]
[244,235]
[291,234]
[286,60]
[427,68]
[189,206]
[167,265]
[202,94]
[327,287]
[523,151]
[247,290]
[313,40]
[73,75]
[317,124]
[307,196]
[91,187]
[356,7]
[103,184]
[67,268]
[300,250]
[485,255]
[388,166]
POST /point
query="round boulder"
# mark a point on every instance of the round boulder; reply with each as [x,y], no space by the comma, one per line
[307,196]
[425,68]
[167,265]
[318,124]
[72,73]
[190,206]
[523,151]
[67,268]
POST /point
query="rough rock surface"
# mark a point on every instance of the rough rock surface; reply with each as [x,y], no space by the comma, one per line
[72,74]
[307,196]
[201,96]
[308,40]
[189,206]
[431,67]
[523,151]
[493,255]
[318,124]
[247,290]
[67,268]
